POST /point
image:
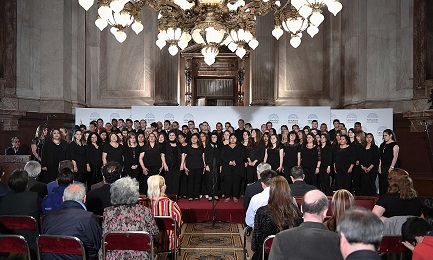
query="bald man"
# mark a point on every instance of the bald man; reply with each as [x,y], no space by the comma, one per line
[311,240]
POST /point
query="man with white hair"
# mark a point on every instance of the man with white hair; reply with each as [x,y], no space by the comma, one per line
[33,168]
[72,219]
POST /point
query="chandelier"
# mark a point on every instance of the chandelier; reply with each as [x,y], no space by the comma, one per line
[213,23]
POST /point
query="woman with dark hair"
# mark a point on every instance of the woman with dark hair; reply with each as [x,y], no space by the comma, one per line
[246,138]
[344,161]
[55,150]
[255,154]
[280,214]
[212,162]
[112,151]
[369,163]
[265,138]
[171,158]
[325,165]
[274,154]
[358,145]
[38,142]
[77,154]
[226,137]
[311,160]
[183,189]
[232,161]
[141,139]
[131,153]
[193,164]
[388,154]
[292,154]
[401,198]
[351,135]
[207,178]
[161,139]
[342,200]
[94,158]
[103,134]
[150,159]
[302,137]
[65,134]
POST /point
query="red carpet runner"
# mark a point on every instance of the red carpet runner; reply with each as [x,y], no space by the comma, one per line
[201,211]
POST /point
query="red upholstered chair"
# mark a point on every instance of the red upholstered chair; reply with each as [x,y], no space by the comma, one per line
[172,197]
[167,223]
[392,244]
[66,245]
[267,244]
[14,244]
[144,201]
[19,223]
[127,240]
[247,232]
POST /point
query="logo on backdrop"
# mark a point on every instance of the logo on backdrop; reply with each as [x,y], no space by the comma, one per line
[364,129]
[94,116]
[187,118]
[380,130]
[333,116]
[150,118]
[292,119]
[351,118]
[312,117]
[274,119]
[114,116]
[169,116]
[372,118]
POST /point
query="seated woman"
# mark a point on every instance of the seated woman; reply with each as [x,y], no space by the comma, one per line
[401,199]
[127,215]
[163,206]
[280,214]
[341,201]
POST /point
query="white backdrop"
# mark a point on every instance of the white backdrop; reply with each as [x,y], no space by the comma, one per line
[86,115]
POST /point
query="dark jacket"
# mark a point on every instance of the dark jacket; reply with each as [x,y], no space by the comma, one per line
[38,187]
[22,150]
[363,255]
[250,191]
[99,199]
[299,188]
[73,220]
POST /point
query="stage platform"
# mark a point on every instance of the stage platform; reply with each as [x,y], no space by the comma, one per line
[201,211]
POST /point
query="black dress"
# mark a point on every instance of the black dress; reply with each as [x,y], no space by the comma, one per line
[77,153]
[113,154]
[232,175]
[273,157]
[344,157]
[386,154]
[310,158]
[368,157]
[94,159]
[130,158]
[395,206]
[357,171]
[52,154]
[324,179]
[152,161]
[173,159]
[290,158]
[210,179]
[195,165]
[254,153]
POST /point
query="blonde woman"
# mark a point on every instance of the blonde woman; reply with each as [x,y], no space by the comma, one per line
[341,201]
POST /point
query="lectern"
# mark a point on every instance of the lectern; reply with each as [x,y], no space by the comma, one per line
[11,163]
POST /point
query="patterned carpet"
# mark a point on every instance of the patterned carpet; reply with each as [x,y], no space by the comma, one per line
[203,242]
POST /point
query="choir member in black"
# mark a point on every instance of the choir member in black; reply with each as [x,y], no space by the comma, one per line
[232,160]
[212,162]
[274,154]
[171,159]
[245,138]
[292,154]
[131,152]
[54,151]
[194,166]
[112,151]
[103,134]
[388,153]
[265,138]
[162,139]
[94,158]
[38,142]
[226,137]
[325,164]
[344,161]
[358,145]
[311,160]
[141,139]
[369,162]
[65,134]
[207,176]
[150,159]
[77,154]
[351,134]
[284,136]
[302,137]
[183,190]
[255,155]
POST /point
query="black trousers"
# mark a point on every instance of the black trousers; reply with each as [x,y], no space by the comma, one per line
[310,176]
[172,180]
[232,179]
[383,180]
[324,181]
[344,180]
[194,182]
[356,178]
[151,170]
[251,174]
[368,182]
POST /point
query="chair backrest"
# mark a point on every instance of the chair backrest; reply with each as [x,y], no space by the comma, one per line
[14,244]
[19,223]
[167,223]
[127,240]
[267,244]
[172,197]
[144,201]
[54,244]
[391,244]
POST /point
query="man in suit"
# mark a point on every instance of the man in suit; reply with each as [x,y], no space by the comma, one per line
[256,187]
[98,199]
[299,187]
[16,148]
[73,219]
[360,234]
[33,169]
[311,240]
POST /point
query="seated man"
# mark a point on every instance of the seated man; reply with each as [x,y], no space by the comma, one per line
[53,200]
[65,164]
[16,148]
[299,187]
[360,234]
[256,187]
[311,240]
[33,168]
[98,199]
[417,235]
[72,219]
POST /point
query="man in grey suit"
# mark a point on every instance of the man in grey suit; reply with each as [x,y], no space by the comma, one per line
[311,240]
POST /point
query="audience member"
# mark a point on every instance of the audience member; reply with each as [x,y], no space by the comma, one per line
[427,210]
[342,200]
[260,199]
[33,168]
[417,235]
[127,215]
[280,214]
[311,240]
[72,219]
[16,148]
[299,187]
[256,187]
[53,200]
[65,164]
[3,187]
[360,234]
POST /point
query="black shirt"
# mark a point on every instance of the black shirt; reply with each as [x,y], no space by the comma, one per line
[173,156]
[291,154]
[386,153]
[78,154]
[130,157]
[344,157]
[326,156]
[310,157]
[369,156]
[152,155]
[395,206]
[194,157]
[113,154]
[273,157]
[94,155]
[256,153]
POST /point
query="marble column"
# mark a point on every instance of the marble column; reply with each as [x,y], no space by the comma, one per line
[166,78]
[262,64]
